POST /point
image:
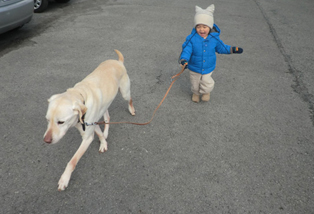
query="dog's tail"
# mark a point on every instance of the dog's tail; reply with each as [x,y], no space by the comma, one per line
[121,58]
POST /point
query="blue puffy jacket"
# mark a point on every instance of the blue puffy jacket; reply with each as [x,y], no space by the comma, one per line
[201,53]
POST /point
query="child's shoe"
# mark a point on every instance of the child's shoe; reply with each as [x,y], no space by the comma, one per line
[195,98]
[206,97]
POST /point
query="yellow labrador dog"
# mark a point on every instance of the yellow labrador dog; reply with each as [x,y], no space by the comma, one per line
[85,103]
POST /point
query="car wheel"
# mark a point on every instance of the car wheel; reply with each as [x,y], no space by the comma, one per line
[40,5]
[62,1]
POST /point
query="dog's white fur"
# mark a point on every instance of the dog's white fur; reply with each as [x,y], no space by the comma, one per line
[92,97]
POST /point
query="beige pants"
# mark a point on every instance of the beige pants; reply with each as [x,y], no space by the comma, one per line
[201,84]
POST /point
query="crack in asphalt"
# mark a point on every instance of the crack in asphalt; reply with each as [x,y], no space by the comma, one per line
[299,86]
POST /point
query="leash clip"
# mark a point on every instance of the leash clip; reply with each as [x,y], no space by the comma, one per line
[90,124]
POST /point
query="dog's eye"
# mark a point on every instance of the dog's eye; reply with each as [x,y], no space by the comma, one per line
[60,122]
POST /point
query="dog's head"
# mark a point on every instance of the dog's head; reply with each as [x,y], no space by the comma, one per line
[63,113]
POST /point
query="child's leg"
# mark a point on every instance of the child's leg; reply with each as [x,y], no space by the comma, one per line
[195,79]
[206,84]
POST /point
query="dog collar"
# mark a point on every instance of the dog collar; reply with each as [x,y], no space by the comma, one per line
[83,117]
[83,124]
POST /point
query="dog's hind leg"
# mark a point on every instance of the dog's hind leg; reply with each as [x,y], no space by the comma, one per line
[102,139]
[125,89]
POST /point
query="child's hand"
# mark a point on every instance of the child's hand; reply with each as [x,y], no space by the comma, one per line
[184,63]
[237,50]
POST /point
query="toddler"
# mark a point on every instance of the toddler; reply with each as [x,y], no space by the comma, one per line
[199,52]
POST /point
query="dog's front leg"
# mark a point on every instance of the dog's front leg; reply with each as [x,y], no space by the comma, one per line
[65,178]
[107,120]
[102,139]
[103,135]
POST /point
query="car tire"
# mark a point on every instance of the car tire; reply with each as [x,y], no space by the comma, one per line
[40,5]
[62,1]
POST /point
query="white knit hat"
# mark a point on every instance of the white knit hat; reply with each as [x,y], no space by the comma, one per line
[205,17]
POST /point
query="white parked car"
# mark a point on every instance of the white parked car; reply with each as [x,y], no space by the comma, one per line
[41,5]
[15,13]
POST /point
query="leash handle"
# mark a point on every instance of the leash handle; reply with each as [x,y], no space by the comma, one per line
[173,79]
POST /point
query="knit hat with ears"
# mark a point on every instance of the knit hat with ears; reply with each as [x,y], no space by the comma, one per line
[205,17]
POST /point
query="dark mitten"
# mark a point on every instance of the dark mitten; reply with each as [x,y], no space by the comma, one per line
[184,63]
[237,50]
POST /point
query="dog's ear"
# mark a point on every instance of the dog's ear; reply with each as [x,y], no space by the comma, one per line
[53,97]
[80,109]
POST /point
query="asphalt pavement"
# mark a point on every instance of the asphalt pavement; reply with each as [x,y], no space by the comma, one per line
[250,149]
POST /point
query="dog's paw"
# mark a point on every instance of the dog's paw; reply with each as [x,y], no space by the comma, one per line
[131,110]
[103,146]
[63,182]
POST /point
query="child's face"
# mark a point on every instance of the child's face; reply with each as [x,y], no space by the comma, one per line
[202,30]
